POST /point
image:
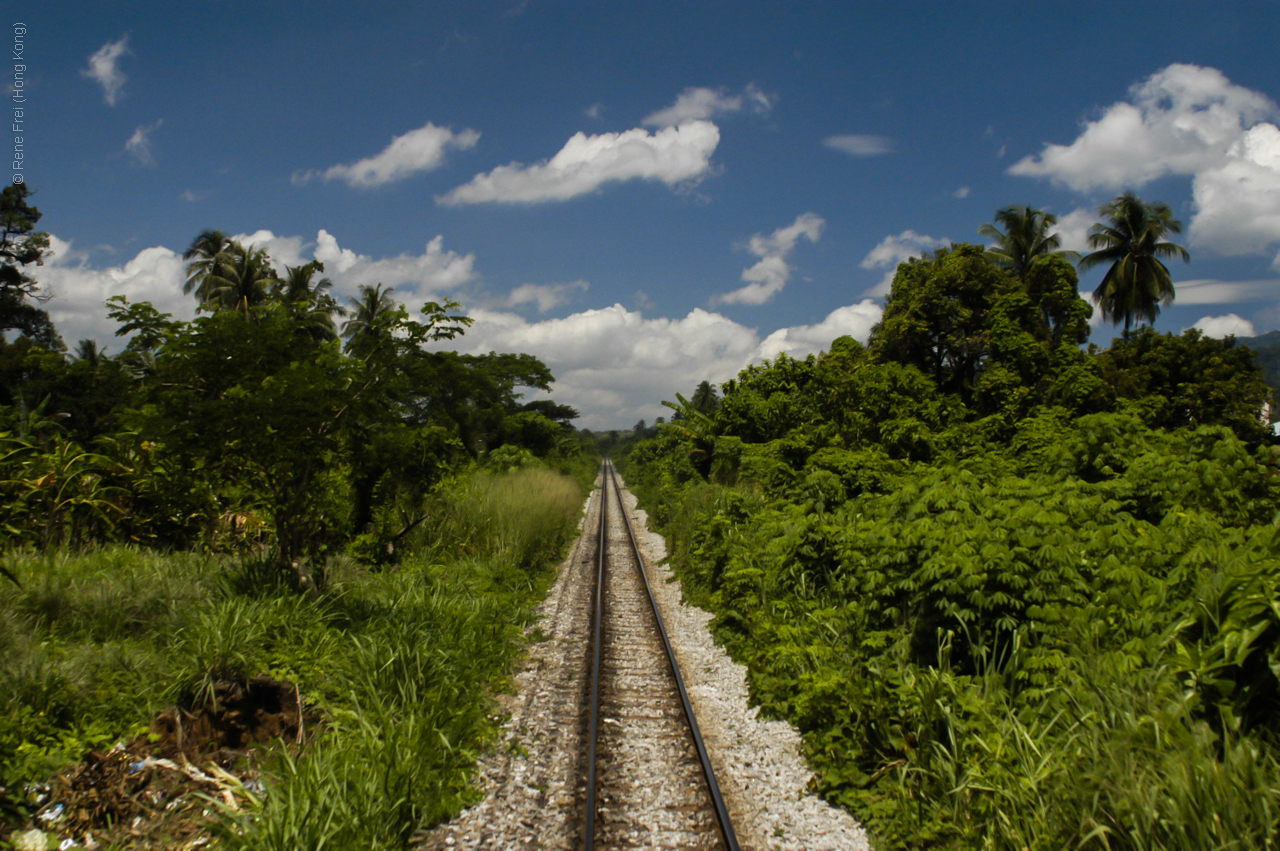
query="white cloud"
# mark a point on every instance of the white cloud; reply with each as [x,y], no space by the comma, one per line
[191,196]
[893,250]
[408,154]
[79,290]
[962,192]
[1211,291]
[1230,325]
[139,144]
[855,320]
[416,277]
[545,296]
[860,146]
[284,250]
[1238,200]
[770,274]
[616,366]
[699,103]
[104,69]
[1073,229]
[672,155]
[1182,120]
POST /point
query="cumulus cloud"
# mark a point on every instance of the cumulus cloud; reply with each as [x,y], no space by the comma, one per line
[672,155]
[854,320]
[1230,325]
[860,146]
[962,192]
[139,144]
[698,103]
[1238,200]
[104,69]
[1180,120]
[545,296]
[616,366]
[1191,121]
[79,290]
[893,250]
[770,273]
[416,277]
[408,154]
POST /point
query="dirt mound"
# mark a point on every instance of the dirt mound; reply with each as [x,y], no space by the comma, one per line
[154,791]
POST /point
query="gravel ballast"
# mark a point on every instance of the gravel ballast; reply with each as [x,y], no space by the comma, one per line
[534,780]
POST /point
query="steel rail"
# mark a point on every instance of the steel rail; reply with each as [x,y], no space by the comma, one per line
[708,772]
[597,633]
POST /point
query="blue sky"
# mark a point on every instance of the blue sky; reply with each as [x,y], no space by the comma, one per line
[651,194]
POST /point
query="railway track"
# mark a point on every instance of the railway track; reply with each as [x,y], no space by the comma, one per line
[650,782]
[647,785]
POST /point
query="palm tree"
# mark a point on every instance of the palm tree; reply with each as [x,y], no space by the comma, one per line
[207,252]
[1025,237]
[242,277]
[87,352]
[369,312]
[309,299]
[1136,284]
[705,399]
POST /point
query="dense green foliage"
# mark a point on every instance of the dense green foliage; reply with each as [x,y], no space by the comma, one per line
[1014,593]
[255,426]
[402,663]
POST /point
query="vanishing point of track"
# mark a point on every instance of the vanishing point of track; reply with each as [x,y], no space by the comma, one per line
[650,782]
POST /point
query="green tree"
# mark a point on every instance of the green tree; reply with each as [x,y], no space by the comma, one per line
[1190,380]
[696,430]
[704,398]
[372,317]
[1130,243]
[309,298]
[259,408]
[936,317]
[1026,237]
[241,279]
[21,246]
[207,253]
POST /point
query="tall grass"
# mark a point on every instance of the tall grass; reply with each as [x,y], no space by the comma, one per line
[402,662]
[520,517]
[409,690]
[1121,765]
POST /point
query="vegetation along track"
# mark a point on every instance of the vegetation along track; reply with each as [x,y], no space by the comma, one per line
[650,782]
